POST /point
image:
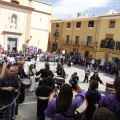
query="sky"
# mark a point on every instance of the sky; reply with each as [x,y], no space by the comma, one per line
[70,8]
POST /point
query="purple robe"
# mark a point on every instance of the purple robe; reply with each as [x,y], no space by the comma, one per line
[110,102]
[50,112]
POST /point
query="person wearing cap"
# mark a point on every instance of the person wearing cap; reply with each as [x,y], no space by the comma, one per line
[95,76]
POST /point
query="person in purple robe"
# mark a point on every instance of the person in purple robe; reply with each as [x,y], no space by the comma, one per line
[112,101]
[63,107]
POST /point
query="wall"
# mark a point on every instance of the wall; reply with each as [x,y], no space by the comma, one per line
[39,6]
[40,25]
[4,24]
[104,29]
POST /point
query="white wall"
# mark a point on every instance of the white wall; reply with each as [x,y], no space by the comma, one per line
[42,7]
[4,22]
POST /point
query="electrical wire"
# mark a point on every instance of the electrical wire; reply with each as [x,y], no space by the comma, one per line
[10,103]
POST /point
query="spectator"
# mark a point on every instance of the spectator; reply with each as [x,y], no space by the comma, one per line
[112,101]
[103,114]
[87,74]
[63,107]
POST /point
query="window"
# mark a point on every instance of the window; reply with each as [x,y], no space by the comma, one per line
[91,24]
[112,24]
[57,24]
[78,24]
[67,39]
[76,40]
[89,40]
[68,25]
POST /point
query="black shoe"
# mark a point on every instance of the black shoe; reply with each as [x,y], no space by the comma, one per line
[83,82]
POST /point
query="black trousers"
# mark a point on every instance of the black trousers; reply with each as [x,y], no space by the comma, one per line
[22,94]
[86,79]
[41,107]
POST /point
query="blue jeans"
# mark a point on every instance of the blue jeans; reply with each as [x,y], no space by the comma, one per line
[13,109]
[10,110]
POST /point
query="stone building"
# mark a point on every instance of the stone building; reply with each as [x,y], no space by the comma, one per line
[91,36]
[24,23]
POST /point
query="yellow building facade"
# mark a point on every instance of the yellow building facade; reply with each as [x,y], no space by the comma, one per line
[84,35]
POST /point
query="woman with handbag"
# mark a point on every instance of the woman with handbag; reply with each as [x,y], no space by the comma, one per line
[64,106]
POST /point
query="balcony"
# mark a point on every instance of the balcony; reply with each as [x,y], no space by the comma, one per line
[56,34]
[107,44]
[55,45]
[66,42]
[76,44]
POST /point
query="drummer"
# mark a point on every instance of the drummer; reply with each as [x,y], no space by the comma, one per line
[22,75]
[44,72]
[50,81]
[63,107]
[60,71]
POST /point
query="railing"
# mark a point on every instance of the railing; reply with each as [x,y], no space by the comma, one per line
[55,45]
[108,44]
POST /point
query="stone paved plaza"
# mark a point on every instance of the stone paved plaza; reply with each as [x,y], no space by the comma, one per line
[27,110]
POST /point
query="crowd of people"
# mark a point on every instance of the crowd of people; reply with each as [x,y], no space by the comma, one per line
[62,106]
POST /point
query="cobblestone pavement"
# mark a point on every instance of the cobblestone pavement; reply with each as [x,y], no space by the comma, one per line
[27,110]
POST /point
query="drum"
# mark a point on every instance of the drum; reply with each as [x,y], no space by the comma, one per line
[25,83]
[59,80]
[109,88]
[81,109]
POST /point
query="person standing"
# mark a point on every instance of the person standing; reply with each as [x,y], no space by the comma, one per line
[93,97]
[96,77]
[87,74]
[44,72]
[43,91]
[8,87]
[22,75]
[63,107]
[31,72]
[112,101]
[50,81]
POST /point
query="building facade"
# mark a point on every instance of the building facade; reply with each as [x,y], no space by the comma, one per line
[24,23]
[87,34]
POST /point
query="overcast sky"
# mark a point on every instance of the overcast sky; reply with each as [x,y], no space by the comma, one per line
[66,8]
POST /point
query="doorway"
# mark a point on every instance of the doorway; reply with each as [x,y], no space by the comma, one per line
[12,44]
[86,54]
